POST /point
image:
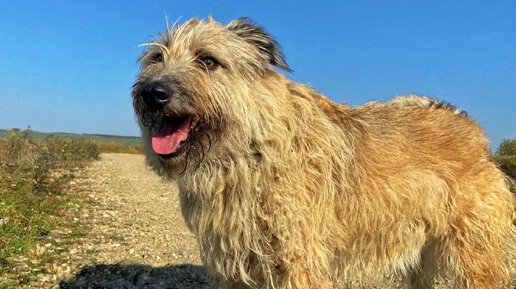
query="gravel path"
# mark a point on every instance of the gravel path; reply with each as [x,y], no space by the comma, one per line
[137,236]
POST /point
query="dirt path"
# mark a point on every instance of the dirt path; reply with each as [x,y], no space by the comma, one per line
[137,235]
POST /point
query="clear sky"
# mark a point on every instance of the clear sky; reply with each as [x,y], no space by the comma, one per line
[69,65]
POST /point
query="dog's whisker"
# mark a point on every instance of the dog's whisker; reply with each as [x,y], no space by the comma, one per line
[156,44]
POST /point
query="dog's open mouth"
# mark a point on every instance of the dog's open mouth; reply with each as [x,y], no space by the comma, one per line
[172,139]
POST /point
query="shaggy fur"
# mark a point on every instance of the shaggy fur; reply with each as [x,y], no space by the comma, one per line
[285,189]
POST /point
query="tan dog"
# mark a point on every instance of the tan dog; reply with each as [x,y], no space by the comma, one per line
[286,189]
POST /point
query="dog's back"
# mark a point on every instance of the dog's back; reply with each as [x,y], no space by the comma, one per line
[423,172]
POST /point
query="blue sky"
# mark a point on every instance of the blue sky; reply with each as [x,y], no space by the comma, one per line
[69,65]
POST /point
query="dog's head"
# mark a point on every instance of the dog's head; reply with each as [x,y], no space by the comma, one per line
[196,90]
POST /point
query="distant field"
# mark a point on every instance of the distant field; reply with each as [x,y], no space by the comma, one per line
[121,140]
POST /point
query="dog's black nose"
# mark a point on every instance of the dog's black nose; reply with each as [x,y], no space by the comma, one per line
[155,94]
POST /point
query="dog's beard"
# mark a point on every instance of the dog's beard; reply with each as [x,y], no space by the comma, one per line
[180,153]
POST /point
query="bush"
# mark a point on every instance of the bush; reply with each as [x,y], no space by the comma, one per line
[506,157]
[507,147]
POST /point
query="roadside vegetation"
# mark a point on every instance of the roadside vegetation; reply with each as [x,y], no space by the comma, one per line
[100,138]
[113,147]
[505,156]
[34,197]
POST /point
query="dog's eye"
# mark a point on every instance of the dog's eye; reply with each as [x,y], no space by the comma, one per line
[209,62]
[158,57]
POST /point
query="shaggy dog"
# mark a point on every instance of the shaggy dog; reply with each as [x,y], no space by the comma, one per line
[285,189]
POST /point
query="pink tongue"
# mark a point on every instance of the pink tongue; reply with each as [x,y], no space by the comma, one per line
[171,134]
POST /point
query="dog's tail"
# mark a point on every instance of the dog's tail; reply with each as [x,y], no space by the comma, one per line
[426,102]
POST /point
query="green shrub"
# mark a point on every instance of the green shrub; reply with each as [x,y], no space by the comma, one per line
[506,157]
[507,147]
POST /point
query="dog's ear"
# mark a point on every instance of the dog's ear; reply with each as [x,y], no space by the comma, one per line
[257,36]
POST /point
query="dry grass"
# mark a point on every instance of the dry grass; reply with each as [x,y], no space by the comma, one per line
[113,147]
